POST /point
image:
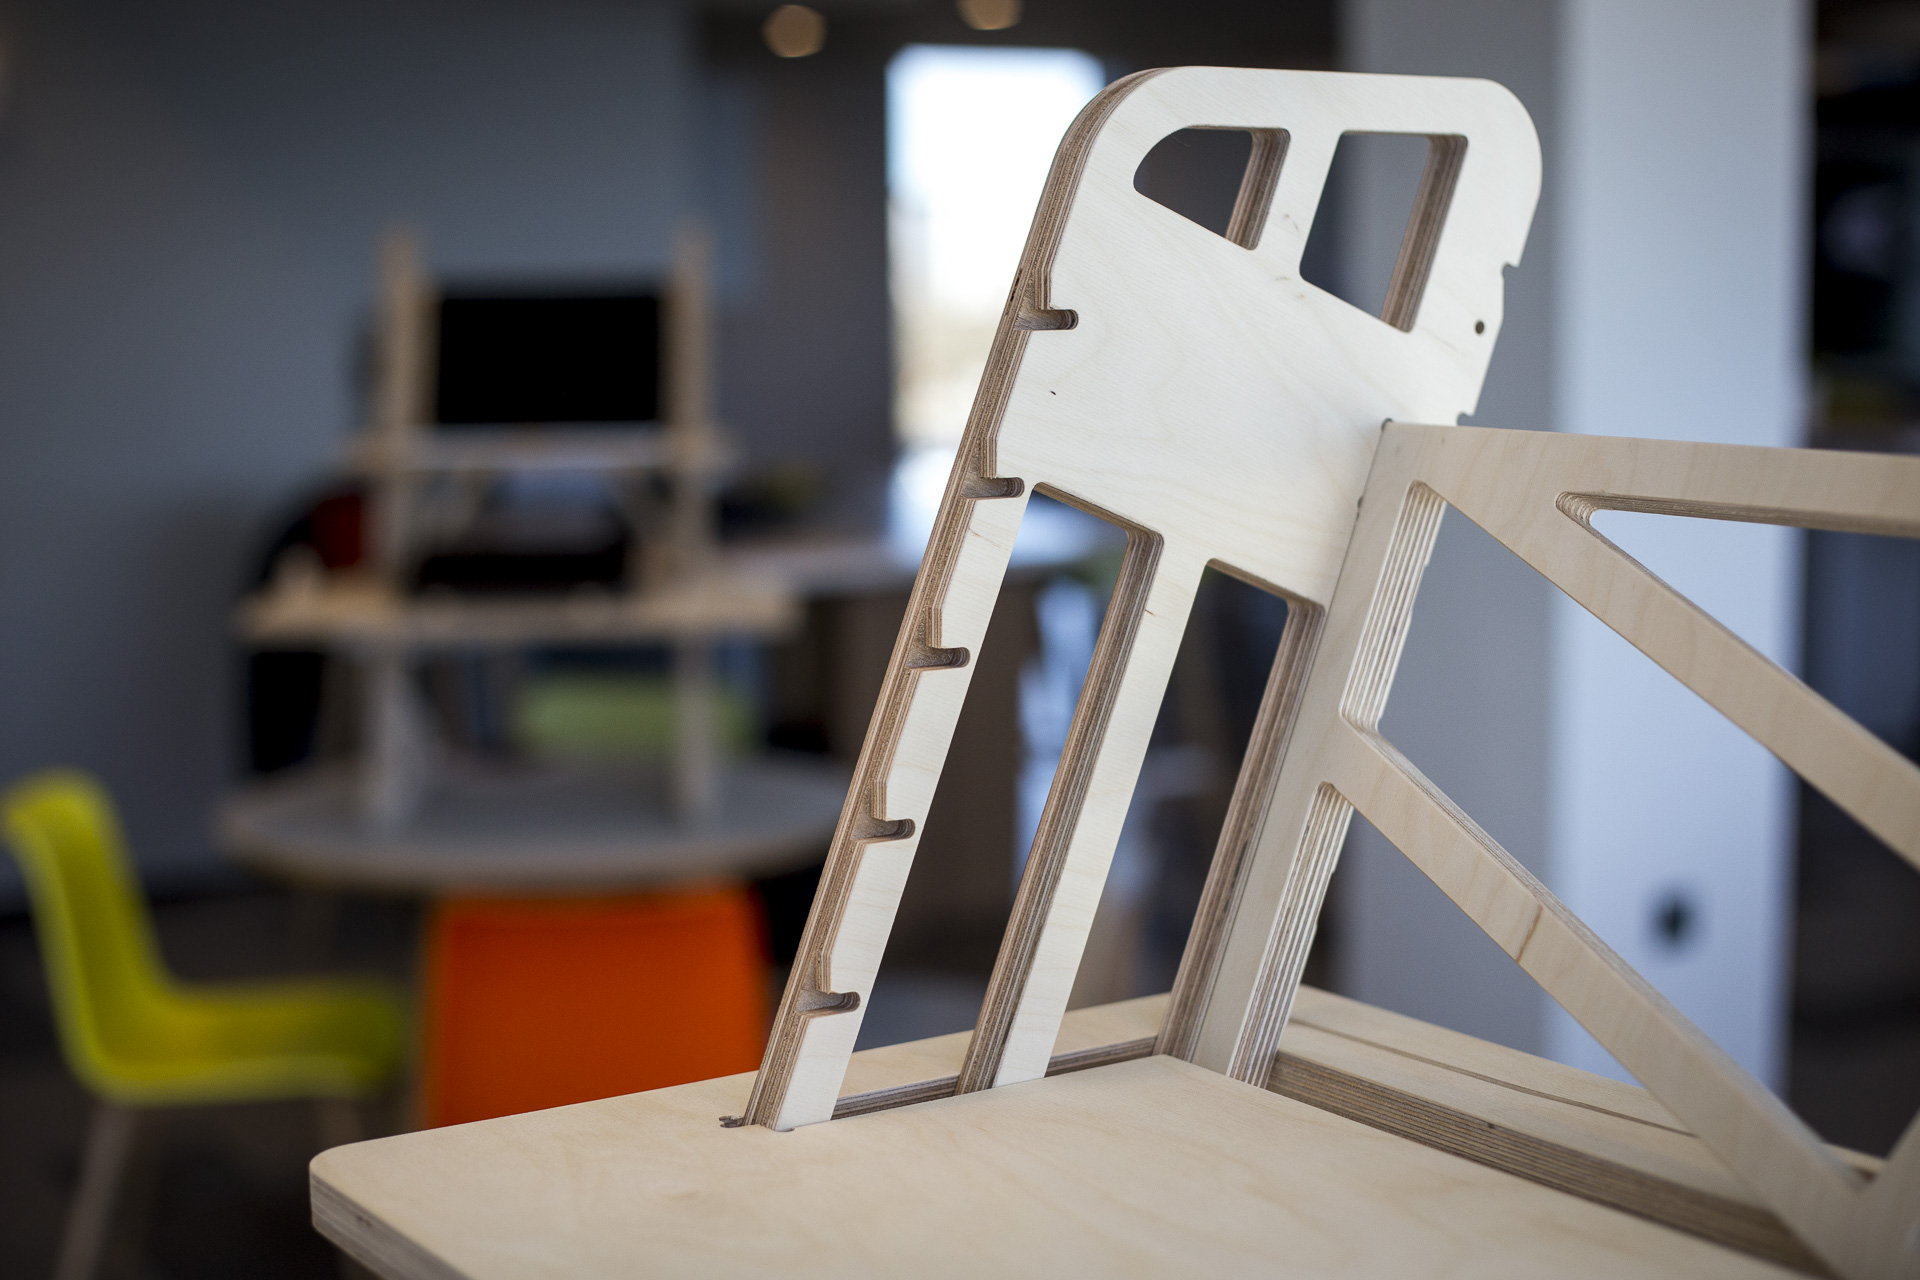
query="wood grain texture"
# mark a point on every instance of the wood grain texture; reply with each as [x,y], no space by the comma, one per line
[1596,1138]
[930,1068]
[860,1104]
[1361,1094]
[1152,1166]
[1193,389]
[1535,492]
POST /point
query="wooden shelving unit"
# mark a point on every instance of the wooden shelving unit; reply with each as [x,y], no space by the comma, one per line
[410,811]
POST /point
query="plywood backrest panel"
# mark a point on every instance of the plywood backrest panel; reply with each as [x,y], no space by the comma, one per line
[1536,493]
[1194,389]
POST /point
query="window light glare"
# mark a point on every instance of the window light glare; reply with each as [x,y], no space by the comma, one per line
[794,31]
[971,133]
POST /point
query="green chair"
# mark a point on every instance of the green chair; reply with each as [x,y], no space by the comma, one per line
[138,1038]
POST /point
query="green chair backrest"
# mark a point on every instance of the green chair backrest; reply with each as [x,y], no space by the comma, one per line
[96,938]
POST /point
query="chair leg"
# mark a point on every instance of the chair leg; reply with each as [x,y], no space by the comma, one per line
[110,1141]
[134,1204]
[339,1121]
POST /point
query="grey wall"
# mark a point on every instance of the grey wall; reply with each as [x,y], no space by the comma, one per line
[797,159]
[1681,316]
[189,196]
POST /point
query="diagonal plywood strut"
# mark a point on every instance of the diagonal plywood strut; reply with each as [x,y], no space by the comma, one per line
[1192,388]
[1535,492]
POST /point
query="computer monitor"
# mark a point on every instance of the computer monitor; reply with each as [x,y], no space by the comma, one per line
[549,358]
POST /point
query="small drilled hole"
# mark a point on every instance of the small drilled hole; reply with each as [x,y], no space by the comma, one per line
[1479,326]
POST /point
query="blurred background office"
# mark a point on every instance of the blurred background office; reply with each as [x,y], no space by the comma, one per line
[197,332]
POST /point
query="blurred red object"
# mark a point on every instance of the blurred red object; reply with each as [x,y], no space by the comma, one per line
[338,529]
[534,1003]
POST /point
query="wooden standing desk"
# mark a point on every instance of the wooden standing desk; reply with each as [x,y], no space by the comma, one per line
[1189,386]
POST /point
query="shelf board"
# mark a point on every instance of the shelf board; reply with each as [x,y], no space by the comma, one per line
[344,610]
[538,828]
[637,446]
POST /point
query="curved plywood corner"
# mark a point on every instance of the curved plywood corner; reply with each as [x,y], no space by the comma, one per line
[1195,390]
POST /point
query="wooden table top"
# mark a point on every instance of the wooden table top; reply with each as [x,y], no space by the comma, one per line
[538,829]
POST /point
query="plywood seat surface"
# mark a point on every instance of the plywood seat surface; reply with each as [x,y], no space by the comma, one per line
[1146,1167]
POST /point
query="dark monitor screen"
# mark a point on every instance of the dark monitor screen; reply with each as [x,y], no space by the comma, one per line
[527,358]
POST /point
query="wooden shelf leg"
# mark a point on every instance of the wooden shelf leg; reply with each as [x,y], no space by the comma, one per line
[393,760]
[696,764]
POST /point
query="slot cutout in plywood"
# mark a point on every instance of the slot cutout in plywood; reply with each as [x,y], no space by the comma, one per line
[1222,179]
[1182,802]
[1190,388]
[1692,822]
[954,907]
[1388,195]
[1404,946]
[1717,564]
[1670,842]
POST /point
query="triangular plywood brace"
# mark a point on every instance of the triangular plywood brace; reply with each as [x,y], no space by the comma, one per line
[1536,492]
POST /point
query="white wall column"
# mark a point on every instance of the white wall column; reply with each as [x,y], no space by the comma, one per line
[1661,295]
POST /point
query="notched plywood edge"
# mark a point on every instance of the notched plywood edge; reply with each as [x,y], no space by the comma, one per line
[1028,309]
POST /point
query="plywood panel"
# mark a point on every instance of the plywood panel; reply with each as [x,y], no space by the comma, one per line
[1150,1167]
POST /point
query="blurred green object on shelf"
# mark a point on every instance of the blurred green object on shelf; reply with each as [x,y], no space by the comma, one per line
[616,717]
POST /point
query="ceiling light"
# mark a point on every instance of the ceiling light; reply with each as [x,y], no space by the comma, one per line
[990,15]
[794,31]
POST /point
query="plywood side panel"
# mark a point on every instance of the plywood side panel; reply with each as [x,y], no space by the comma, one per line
[1193,389]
